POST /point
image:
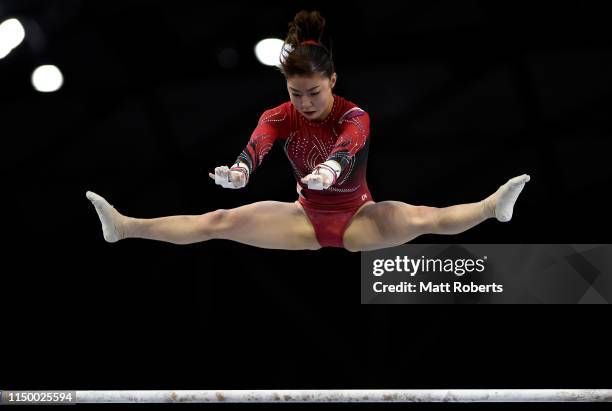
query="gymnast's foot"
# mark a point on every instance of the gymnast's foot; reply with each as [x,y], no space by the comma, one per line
[113,222]
[501,203]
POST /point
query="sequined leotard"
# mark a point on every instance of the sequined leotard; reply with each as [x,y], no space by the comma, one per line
[344,136]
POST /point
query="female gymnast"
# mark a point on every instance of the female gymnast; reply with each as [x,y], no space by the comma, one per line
[326,139]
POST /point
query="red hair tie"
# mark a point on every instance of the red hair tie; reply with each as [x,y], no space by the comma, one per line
[313,42]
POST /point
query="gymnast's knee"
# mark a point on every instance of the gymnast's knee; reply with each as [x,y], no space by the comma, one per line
[424,220]
[214,223]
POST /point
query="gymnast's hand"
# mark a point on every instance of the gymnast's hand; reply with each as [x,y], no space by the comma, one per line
[323,176]
[235,177]
[317,181]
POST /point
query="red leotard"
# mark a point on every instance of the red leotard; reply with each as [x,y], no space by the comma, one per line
[343,136]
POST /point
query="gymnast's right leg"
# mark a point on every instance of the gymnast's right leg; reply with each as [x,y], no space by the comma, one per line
[266,224]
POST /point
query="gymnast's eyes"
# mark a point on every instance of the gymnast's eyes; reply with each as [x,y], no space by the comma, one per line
[299,95]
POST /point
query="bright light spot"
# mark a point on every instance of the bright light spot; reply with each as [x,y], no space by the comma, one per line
[268,51]
[47,79]
[4,51]
[12,34]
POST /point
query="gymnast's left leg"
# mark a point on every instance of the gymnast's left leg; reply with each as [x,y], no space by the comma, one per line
[392,223]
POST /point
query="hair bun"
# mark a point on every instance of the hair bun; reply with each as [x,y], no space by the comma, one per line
[306,25]
[303,54]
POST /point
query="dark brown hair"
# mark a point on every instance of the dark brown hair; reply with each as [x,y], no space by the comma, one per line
[299,59]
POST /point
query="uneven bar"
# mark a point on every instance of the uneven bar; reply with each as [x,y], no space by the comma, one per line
[344,396]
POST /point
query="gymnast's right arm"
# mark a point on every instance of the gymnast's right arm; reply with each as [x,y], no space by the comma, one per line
[262,139]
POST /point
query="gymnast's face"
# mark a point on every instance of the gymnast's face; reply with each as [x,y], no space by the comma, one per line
[312,95]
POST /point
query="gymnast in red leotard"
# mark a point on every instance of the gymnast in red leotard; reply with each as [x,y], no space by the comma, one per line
[326,140]
[338,145]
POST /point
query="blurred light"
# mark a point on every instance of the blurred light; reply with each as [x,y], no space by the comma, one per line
[268,51]
[47,79]
[12,34]
[4,51]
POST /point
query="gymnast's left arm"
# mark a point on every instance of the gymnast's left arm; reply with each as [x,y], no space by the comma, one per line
[353,135]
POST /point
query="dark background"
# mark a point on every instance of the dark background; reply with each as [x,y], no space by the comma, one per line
[462,96]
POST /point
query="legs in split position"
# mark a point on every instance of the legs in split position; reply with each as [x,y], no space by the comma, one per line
[277,225]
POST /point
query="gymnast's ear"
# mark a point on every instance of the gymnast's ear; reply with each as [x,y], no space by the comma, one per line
[332,80]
